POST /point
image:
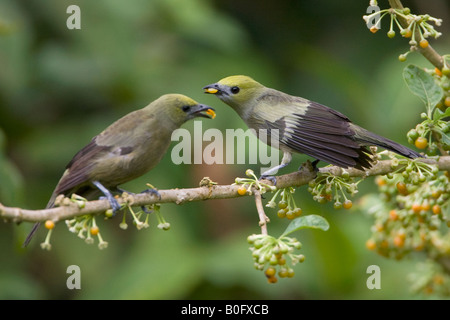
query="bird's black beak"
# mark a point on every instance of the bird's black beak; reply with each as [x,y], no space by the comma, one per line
[202,110]
[213,89]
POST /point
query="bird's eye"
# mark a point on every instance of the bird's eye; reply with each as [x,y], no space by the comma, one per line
[235,90]
[186,108]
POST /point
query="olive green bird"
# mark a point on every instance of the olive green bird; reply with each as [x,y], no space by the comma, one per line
[125,150]
[301,125]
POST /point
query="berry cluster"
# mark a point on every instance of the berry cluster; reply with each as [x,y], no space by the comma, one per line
[418,28]
[267,250]
[328,187]
[86,227]
[433,134]
[442,78]
[430,278]
[287,207]
[414,215]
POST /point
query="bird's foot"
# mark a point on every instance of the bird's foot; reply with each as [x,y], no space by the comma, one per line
[115,206]
[272,179]
[149,190]
[152,191]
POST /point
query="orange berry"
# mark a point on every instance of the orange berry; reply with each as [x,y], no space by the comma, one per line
[380,181]
[438,72]
[401,187]
[447,101]
[421,143]
[399,241]
[49,224]
[426,206]
[407,33]
[438,279]
[272,279]
[94,230]
[416,207]
[423,43]
[242,190]
[371,244]
[401,234]
[393,215]
[436,209]
[347,204]
[436,194]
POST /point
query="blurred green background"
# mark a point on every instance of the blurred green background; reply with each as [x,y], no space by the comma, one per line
[60,87]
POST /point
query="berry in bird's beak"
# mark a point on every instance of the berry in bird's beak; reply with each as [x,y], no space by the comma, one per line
[211,90]
[211,113]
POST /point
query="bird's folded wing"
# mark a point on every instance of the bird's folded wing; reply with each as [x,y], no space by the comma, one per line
[316,130]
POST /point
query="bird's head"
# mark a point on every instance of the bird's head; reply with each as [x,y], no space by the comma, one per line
[236,91]
[180,108]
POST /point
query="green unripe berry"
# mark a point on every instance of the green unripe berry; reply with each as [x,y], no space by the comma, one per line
[283,273]
[291,273]
[432,150]
[273,260]
[270,272]
[445,70]
[337,205]
[391,34]
[435,170]
[412,134]
[281,213]
[282,204]
[258,244]
[109,213]
[402,57]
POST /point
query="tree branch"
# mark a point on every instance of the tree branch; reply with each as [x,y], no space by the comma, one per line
[180,196]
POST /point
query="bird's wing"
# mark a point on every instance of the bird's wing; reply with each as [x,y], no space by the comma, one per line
[116,140]
[311,128]
[78,169]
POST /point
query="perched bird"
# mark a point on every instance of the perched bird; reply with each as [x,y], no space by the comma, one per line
[301,125]
[125,150]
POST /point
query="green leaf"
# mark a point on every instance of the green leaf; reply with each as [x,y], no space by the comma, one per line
[423,85]
[438,114]
[311,221]
[445,138]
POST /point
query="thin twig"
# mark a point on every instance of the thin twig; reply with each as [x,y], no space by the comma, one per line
[263,219]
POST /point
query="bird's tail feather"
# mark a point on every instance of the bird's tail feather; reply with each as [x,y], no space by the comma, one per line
[369,138]
[30,235]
